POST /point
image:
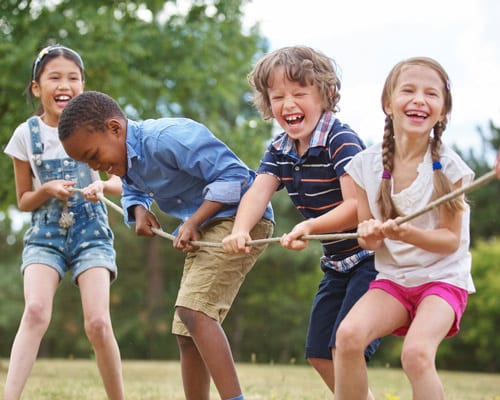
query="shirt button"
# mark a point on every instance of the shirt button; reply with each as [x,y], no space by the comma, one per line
[151,194]
[297,168]
[67,177]
[65,162]
[179,201]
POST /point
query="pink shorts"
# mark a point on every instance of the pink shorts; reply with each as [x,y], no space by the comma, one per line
[411,297]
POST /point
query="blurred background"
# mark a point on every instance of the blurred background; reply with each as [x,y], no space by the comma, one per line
[191,58]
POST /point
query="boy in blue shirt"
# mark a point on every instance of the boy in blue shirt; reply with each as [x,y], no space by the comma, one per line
[192,176]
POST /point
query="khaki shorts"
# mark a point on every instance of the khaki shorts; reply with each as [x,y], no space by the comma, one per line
[212,278]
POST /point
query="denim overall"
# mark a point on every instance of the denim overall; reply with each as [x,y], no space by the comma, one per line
[81,239]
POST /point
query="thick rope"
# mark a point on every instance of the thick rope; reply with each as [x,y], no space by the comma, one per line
[486,178]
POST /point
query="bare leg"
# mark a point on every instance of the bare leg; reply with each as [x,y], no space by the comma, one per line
[375,315]
[195,375]
[324,368]
[431,324]
[94,289]
[40,285]
[213,348]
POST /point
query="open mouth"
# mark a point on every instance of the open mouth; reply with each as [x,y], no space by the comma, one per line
[417,115]
[294,120]
[62,100]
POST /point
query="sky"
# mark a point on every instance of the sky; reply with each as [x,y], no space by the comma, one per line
[366,38]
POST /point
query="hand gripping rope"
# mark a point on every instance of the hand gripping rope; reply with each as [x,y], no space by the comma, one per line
[486,178]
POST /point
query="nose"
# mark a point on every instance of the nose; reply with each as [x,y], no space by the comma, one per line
[63,85]
[288,102]
[419,97]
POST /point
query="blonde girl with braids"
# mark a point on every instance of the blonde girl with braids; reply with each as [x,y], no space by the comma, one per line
[424,265]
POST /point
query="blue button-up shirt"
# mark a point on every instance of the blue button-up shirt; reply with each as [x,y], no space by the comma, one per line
[179,163]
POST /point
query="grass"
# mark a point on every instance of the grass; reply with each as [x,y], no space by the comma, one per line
[161,380]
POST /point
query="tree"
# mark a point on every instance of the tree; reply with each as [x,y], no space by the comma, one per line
[156,60]
[484,210]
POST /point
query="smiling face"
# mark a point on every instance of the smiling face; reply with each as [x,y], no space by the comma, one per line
[60,81]
[417,101]
[296,108]
[102,150]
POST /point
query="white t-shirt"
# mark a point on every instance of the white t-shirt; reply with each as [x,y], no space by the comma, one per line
[19,147]
[403,263]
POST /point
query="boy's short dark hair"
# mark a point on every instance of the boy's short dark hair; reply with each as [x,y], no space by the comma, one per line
[90,109]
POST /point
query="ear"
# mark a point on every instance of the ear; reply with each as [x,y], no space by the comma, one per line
[115,126]
[332,91]
[387,109]
[442,116]
[35,88]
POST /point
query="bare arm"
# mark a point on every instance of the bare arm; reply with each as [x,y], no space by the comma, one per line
[497,165]
[445,239]
[29,199]
[112,186]
[341,218]
[370,236]
[250,211]
[189,230]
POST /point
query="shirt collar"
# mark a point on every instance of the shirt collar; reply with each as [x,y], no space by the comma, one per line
[133,141]
[318,138]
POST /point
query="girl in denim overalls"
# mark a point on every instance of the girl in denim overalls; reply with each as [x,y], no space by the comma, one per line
[69,229]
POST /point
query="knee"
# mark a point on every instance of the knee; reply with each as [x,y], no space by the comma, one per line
[416,360]
[185,343]
[349,339]
[97,330]
[36,316]
[189,318]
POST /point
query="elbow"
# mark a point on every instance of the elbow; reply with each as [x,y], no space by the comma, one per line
[23,207]
[452,247]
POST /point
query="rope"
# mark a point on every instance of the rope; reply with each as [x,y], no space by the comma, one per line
[489,176]
[486,178]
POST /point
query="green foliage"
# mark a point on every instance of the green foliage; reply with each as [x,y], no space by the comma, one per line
[154,62]
[478,345]
[158,61]
[484,207]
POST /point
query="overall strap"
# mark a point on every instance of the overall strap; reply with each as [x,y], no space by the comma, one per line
[36,141]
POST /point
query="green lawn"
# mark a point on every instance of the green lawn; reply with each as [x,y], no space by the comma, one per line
[160,380]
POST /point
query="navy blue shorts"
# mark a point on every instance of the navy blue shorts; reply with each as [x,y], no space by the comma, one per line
[337,293]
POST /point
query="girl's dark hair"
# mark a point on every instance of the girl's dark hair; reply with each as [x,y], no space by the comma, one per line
[44,56]
[301,64]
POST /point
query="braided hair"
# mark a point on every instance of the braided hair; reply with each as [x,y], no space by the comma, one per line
[441,183]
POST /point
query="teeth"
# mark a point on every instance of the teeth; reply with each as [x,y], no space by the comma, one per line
[63,98]
[417,114]
[291,119]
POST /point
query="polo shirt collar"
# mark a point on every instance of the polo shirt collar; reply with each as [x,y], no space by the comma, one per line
[318,139]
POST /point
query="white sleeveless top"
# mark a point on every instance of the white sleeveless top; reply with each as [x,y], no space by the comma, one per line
[403,263]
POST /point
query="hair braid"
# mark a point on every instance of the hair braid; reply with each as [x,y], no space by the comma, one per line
[442,184]
[384,200]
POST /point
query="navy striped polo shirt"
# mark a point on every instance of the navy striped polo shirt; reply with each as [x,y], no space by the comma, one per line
[312,180]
